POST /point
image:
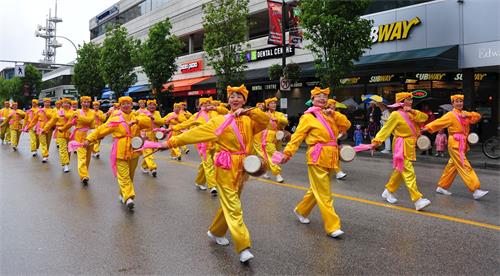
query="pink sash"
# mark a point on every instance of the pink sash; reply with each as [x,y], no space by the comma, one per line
[83,129]
[398,156]
[223,157]
[316,151]
[460,137]
[202,147]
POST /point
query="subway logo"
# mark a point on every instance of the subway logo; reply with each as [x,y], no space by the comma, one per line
[393,31]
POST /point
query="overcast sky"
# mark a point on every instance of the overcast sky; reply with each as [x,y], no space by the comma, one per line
[19,18]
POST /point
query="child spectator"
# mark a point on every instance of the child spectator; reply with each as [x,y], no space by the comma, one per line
[441,141]
[358,136]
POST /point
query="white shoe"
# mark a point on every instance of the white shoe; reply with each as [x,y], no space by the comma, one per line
[200,187]
[336,233]
[302,219]
[218,240]
[386,151]
[154,173]
[33,153]
[266,176]
[144,171]
[45,159]
[479,194]
[213,191]
[97,155]
[279,178]
[66,168]
[422,203]
[442,191]
[389,197]
[246,256]
[130,204]
[341,175]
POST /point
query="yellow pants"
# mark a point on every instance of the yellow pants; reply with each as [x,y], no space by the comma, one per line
[270,149]
[96,147]
[466,172]
[149,161]
[45,139]
[206,171]
[14,137]
[175,152]
[125,175]
[320,193]
[408,176]
[63,151]
[34,142]
[336,166]
[83,155]
[5,133]
[230,214]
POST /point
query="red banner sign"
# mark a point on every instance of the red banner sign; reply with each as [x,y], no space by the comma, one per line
[275,27]
[191,66]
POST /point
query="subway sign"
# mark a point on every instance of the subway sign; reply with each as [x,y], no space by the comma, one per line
[393,31]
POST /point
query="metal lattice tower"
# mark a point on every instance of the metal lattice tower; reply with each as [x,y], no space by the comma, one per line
[49,34]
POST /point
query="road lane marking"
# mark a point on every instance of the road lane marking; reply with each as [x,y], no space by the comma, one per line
[370,202]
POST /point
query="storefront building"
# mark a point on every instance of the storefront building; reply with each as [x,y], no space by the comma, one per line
[434,48]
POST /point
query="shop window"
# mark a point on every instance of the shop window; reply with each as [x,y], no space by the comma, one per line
[258,25]
[197,39]
[185,45]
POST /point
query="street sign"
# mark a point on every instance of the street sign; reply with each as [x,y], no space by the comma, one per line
[284,84]
[19,71]
[283,103]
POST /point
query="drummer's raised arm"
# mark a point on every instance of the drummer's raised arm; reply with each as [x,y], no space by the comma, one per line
[298,136]
[260,120]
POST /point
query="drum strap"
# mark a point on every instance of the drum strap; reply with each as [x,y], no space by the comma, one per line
[408,122]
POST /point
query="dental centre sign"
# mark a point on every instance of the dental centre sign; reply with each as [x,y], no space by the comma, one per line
[393,31]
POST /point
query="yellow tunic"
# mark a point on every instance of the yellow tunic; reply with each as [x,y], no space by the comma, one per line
[174,119]
[229,181]
[61,118]
[14,120]
[4,125]
[156,122]
[100,118]
[41,118]
[34,141]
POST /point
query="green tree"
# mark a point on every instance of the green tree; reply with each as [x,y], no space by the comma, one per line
[158,54]
[117,62]
[226,27]
[28,87]
[87,76]
[337,34]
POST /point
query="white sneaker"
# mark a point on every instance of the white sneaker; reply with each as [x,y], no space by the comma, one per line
[389,197]
[130,204]
[154,173]
[66,168]
[266,176]
[144,171]
[479,194]
[442,191]
[218,240]
[302,219]
[245,256]
[385,151]
[33,153]
[422,203]
[97,155]
[45,159]
[341,175]
[213,191]
[336,233]
[279,178]
[200,187]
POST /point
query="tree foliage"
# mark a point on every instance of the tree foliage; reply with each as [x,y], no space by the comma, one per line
[226,26]
[158,54]
[11,89]
[337,34]
[87,76]
[117,60]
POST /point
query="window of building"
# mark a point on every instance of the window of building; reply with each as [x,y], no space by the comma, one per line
[258,25]
[384,5]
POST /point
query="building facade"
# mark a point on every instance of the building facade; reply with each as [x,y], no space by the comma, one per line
[434,48]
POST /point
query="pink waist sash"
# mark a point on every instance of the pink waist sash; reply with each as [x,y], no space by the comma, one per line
[202,149]
[223,158]
[73,133]
[316,151]
[461,145]
[399,155]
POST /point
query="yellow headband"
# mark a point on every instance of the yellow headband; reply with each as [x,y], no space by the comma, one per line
[401,96]
[177,105]
[331,102]
[96,103]
[204,101]
[318,90]
[259,104]
[116,104]
[74,102]
[125,99]
[65,100]
[270,100]
[151,102]
[85,98]
[457,97]
[239,89]
[34,101]
[47,100]
[142,101]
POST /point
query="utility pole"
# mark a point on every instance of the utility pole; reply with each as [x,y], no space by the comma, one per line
[283,32]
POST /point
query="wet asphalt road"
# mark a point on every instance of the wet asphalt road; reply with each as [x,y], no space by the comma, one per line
[51,224]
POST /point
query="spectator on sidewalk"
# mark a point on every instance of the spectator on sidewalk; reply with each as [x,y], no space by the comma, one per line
[358,136]
[441,142]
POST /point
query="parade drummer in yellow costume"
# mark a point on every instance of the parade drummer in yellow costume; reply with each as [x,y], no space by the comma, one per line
[100,118]
[184,112]
[142,108]
[14,120]
[5,129]
[319,129]
[123,126]
[206,171]
[41,118]
[83,120]
[332,105]
[30,115]
[74,105]
[457,121]
[220,107]
[265,143]
[172,119]
[403,124]
[148,163]
[63,116]
[233,136]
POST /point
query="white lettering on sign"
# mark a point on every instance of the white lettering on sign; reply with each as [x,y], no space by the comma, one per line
[190,66]
[427,76]
[381,78]
[488,53]
[350,80]
[257,88]
[477,76]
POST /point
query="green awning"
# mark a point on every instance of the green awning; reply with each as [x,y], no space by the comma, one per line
[429,59]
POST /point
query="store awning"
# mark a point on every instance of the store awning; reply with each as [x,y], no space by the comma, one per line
[137,89]
[429,59]
[184,84]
